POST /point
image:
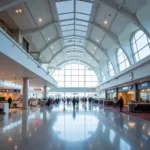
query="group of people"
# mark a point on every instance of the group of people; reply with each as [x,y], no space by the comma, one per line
[118,103]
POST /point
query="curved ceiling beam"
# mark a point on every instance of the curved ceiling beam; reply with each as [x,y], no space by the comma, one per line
[74,60]
[132,17]
[109,33]
[89,40]
[68,47]
[7,4]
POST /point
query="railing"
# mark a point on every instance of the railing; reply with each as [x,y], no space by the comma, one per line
[2,26]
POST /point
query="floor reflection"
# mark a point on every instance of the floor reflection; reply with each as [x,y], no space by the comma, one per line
[75,127]
[87,127]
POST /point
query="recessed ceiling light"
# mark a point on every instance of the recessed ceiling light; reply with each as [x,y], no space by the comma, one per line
[97,40]
[105,22]
[18,11]
[49,39]
[40,19]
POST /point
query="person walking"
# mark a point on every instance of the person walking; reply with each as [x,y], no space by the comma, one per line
[9,101]
[74,102]
[120,103]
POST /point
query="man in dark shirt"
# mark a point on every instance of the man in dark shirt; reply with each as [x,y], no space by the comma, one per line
[9,101]
[120,103]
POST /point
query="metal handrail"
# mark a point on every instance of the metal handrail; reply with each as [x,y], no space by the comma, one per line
[5,29]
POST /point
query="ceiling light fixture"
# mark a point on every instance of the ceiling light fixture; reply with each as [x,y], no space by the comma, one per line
[40,19]
[49,39]
[18,11]
[97,40]
[105,22]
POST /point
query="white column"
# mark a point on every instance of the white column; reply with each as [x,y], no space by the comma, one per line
[25,93]
[45,92]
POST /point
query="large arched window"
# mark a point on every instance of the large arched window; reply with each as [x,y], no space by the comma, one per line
[140,45]
[103,76]
[123,61]
[75,75]
[110,69]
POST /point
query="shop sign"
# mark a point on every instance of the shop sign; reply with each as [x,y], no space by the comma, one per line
[9,90]
[144,85]
[37,89]
[126,88]
[110,91]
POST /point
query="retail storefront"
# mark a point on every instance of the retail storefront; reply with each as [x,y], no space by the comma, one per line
[144,91]
[15,94]
[36,93]
[111,94]
[127,93]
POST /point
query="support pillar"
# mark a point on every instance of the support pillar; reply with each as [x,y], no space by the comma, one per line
[136,95]
[25,93]
[117,93]
[105,94]
[45,92]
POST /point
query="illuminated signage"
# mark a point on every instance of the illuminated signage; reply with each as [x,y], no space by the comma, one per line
[9,90]
[37,89]
[125,88]
[144,84]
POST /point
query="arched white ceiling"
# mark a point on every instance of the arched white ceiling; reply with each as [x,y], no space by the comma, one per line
[96,29]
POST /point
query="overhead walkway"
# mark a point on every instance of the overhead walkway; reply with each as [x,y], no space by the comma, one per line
[15,61]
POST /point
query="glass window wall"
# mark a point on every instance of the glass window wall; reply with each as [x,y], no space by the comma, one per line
[75,75]
[140,45]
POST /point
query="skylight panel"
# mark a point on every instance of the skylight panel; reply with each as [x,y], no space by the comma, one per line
[83,7]
[81,28]
[67,22]
[69,43]
[66,16]
[64,7]
[79,43]
[69,27]
[69,40]
[80,33]
[67,33]
[82,17]
[81,23]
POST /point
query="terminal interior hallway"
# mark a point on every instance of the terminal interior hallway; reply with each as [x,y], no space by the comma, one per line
[85,128]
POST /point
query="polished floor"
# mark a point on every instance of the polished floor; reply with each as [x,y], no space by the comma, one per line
[61,128]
